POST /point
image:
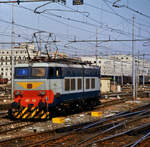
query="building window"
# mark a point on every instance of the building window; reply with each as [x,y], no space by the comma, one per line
[92,83]
[67,84]
[73,84]
[79,84]
[87,83]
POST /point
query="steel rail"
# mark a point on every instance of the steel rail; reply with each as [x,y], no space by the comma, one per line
[69,135]
[141,139]
[55,140]
[16,128]
[124,114]
[130,144]
[139,128]
[127,114]
[48,139]
[8,123]
[118,125]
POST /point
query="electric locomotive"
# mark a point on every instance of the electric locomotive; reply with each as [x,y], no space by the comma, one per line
[42,89]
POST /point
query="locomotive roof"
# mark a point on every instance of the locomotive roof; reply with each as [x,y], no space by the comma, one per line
[52,64]
[60,62]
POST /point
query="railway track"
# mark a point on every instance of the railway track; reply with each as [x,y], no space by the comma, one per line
[114,102]
[119,126]
[13,126]
[59,136]
[3,114]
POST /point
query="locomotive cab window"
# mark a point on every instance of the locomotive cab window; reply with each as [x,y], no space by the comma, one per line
[38,72]
[58,72]
[54,72]
[21,72]
[51,72]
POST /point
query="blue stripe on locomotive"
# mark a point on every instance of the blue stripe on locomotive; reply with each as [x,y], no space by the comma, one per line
[73,72]
[65,98]
[64,72]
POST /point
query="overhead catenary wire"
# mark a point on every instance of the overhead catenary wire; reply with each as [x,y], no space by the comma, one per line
[112,12]
[105,26]
[29,9]
[50,18]
[77,22]
[118,40]
[115,4]
[84,41]
[27,1]
[128,20]
[115,30]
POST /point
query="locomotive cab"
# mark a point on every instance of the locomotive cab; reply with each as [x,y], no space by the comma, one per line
[32,91]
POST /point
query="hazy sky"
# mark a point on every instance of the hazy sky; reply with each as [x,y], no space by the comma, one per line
[70,22]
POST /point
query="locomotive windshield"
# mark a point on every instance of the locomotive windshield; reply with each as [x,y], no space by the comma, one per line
[38,72]
[30,72]
[22,72]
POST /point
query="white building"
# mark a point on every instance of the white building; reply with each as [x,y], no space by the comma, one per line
[20,56]
[119,65]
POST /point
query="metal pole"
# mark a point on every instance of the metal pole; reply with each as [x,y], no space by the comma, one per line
[143,72]
[96,44]
[12,56]
[133,63]
[137,76]
[121,73]
[114,72]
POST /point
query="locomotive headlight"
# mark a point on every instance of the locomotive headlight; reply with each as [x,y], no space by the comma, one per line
[42,93]
[27,100]
[33,100]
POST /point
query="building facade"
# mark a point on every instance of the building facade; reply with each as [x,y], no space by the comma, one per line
[119,65]
[20,55]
